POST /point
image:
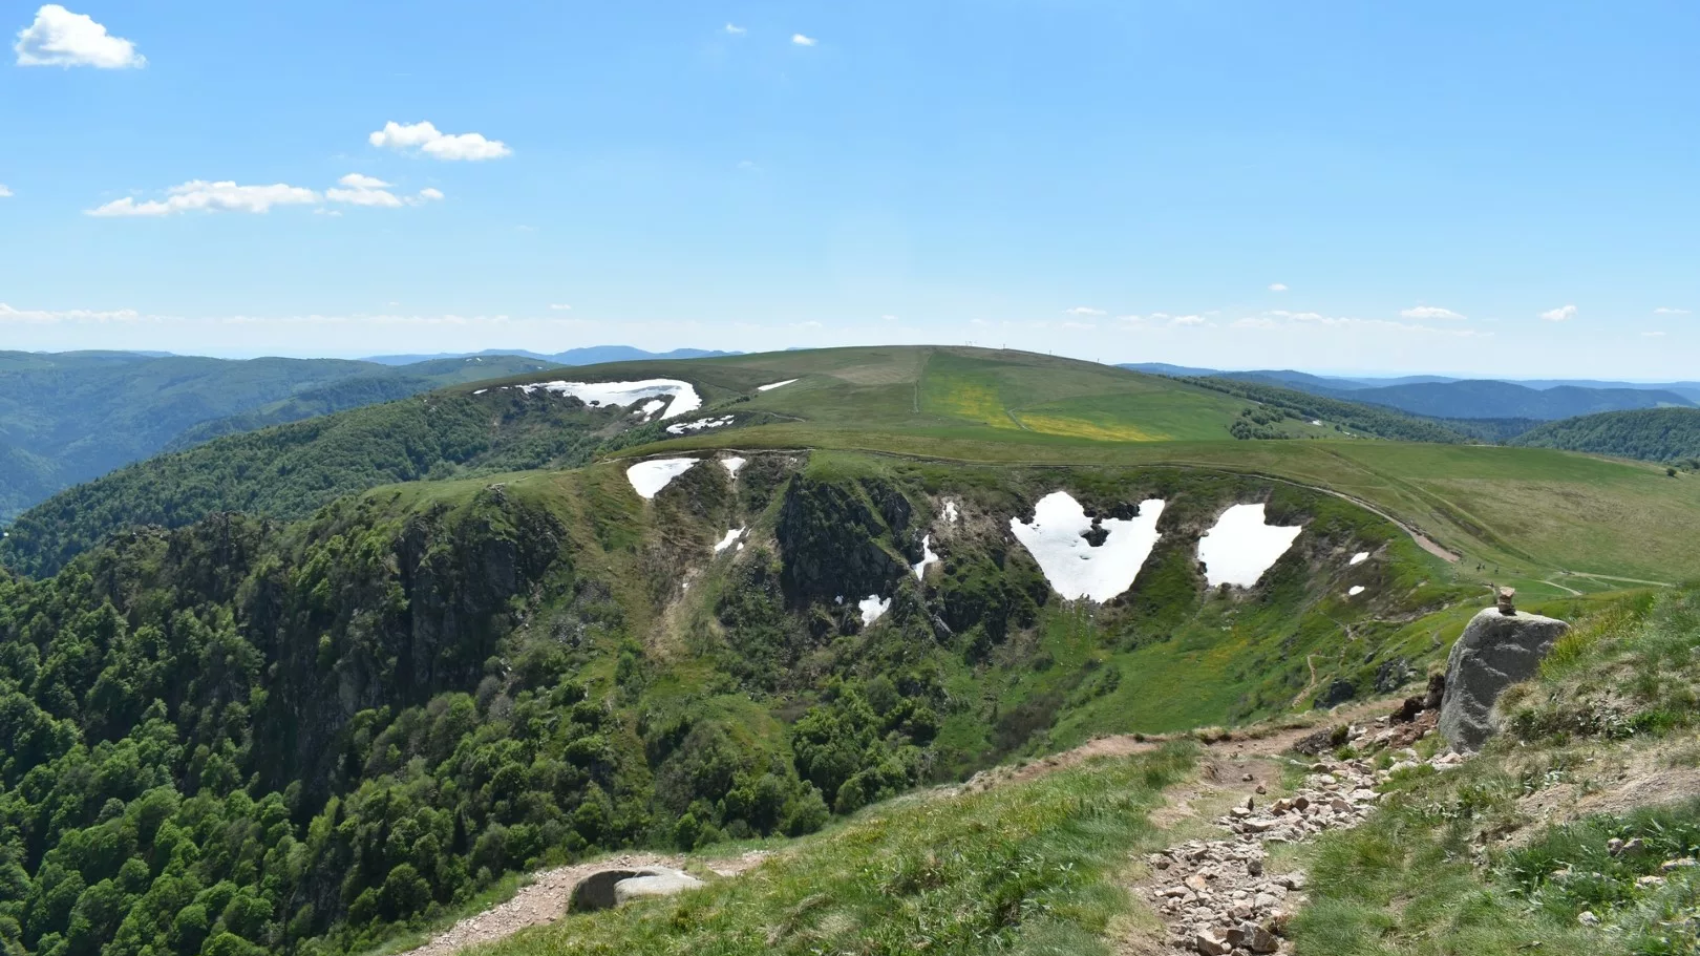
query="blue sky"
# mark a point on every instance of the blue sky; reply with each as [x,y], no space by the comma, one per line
[1320,185]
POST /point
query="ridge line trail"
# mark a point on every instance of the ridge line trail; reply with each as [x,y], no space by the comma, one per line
[543,900]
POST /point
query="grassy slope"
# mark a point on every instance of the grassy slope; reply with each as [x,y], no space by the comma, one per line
[1026,868]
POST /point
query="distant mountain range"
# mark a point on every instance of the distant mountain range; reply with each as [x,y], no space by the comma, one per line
[1436,396]
[591,355]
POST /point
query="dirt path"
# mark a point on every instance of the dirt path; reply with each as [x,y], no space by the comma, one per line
[544,900]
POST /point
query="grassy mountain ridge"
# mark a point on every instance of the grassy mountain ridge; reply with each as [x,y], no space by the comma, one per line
[244,733]
[69,417]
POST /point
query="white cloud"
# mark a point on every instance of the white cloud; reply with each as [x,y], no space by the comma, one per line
[1429,312]
[199,195]
[1277,287]
[560,307]
[46,317]
[1084,310]
[889,318]
[1559,314]
[802,40]
[1661,310]
[736,30]
[4,192]
[59,37]
[202,196]
[437,144]
[1079,326]
[1188,320]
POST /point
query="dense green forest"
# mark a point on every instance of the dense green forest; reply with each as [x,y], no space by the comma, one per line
[247,735]
[1657,434]
[1285,403]
[290,470]
[70,417]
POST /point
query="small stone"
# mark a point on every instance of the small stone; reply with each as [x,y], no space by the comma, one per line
[1197,882]
[1679,863]
[1587,918]
[1649,881]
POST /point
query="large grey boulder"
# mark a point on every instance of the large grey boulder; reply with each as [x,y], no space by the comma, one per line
[1496,651]
[616,886]
[658,881]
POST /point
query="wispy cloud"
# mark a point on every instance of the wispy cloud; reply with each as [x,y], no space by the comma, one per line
[1667,310]
[49,317]
[889,318]
[427,139]
[1188,320]
[1425,312]
[801,40]
[1277,287]
[1559,314]
[1085,310]
[1079,326]
[1276,319]
[736,30]
[1653,335]
[59,37]
[560,307]
[4,192]
[200,195]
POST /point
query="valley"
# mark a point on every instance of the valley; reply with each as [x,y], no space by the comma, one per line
[334,682]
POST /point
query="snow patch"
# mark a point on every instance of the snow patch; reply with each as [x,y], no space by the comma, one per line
[732,465]
[649,477]
[873,608]
[950,514]
[730,540]
[480,391]
[1358,558]
[1074,568]
[928,556]
[700,424]
[681,397]
[1356,590]
[1242,546]
[771,387]
[649,408]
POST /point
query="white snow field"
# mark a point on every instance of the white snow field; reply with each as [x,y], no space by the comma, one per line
[649,477]
[649,408]
[771,386]
[1242,546]
[682,396]
[1355,590]
[1358,558]
[701,424]
[873,608]
[728,541]
[1073,567]
[950,513]
[928,556]
[732,465]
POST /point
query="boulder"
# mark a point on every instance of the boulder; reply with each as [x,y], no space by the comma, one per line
[1496,651]
[658,881]
[596,891]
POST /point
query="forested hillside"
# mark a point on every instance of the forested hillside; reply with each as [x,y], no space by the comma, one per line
[246,736]
[1279,404]
[69,417]
[290,471]
[1658,434]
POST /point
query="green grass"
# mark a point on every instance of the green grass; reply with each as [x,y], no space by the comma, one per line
[1026,868]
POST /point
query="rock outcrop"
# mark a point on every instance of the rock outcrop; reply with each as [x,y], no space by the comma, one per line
[1497,650]
[609,888]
